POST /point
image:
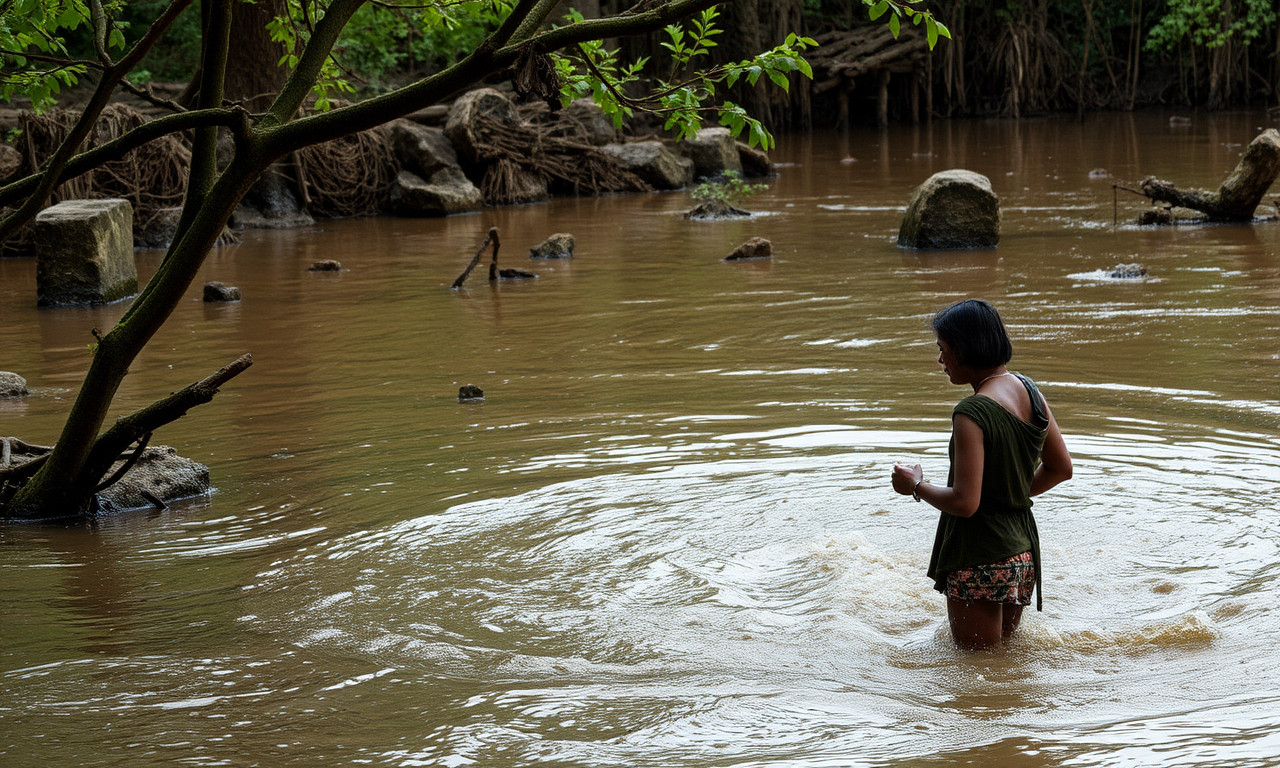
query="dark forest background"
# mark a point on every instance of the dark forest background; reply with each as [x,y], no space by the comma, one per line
[1010,58]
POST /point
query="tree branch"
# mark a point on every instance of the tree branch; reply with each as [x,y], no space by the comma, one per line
[130,429]
[120,146]
[99,19]
[311,62]
[61,62]
[529,25]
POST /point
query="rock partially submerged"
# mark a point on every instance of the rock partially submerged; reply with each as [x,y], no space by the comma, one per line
[470,393]
[654,162]
[952,209]
[754,249]
[215,291]
[12,385]
[558,246]
[447,192]
[325,265]
[713,152]
[84,252]
[1127,272]
[159,475]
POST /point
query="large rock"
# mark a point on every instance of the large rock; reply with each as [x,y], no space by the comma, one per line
[160,472]
[952,209]
[713,151]
[421,149]
[158,231]
[460,128]
[84,251]
[12,385]
[10,162]
[597,127]
[653,162]
[447,192]
[755,162]
[271,204]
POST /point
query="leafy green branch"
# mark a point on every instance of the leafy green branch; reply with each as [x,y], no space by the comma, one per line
[687,102]
[899,10]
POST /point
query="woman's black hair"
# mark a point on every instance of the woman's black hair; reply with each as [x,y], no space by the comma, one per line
[974,331]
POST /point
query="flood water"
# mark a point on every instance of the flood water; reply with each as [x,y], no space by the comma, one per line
[667,536]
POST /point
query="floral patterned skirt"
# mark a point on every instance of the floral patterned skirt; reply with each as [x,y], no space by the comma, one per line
[1008,581]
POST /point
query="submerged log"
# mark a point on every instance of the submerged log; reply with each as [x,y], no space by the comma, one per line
[1241,191]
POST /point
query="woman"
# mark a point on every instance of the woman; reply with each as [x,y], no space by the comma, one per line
[1005,448]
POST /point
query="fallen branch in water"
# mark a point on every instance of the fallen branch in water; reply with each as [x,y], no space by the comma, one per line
[1239,194]
[492,237]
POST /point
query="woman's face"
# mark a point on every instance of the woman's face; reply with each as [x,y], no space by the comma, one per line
[950,363]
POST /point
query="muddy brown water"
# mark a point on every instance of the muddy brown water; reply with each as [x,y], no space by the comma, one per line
[666,537]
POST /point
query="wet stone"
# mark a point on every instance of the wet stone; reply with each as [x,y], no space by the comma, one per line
[84,253]
[12,385]
[216,292]
[754,249]
[558,246]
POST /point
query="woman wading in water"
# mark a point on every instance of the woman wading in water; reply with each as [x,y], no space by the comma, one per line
[1005,448]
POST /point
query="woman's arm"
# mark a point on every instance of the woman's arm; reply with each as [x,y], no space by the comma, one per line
[961,499]
[1055,460]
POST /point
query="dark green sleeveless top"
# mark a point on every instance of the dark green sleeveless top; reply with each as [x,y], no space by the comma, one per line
[1003,526]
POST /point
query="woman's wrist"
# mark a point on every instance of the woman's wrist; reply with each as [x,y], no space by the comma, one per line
[915,489]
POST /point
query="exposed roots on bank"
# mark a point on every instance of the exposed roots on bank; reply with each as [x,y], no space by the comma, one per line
[514,153]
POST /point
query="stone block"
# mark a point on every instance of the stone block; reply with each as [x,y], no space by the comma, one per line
[84,253]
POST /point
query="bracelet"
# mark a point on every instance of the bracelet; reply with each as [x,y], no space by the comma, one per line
[915,489]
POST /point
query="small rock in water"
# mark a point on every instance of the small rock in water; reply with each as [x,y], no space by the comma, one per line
[1157,217]
[325,265]
[755,248]
[1127,271]
[1099,173]
[558,246]
[12,385]
[215,291]
[515,274]
[470,393]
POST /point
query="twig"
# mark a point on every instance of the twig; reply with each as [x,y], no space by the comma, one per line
[491,237]
[128,464]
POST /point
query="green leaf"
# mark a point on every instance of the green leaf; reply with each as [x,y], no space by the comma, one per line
[895,26]
[779,79]
[878,9]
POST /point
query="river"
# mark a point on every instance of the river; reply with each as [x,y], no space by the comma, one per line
[667,537]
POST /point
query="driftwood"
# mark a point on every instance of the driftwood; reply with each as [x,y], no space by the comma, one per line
[492,237]
[1239,194]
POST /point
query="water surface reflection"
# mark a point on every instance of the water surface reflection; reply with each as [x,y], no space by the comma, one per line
[667,537]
